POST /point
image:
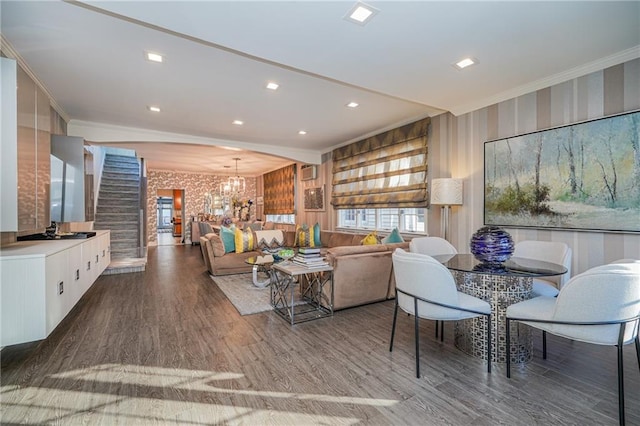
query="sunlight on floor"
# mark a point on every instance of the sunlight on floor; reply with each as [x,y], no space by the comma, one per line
[110,392]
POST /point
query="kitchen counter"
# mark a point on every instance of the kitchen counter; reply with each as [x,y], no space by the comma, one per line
[42,248]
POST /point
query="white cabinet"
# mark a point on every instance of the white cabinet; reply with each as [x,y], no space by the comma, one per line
[58,289]
[40,282]
[25,152]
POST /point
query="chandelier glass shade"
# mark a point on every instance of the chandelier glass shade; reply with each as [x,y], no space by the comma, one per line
[234,185]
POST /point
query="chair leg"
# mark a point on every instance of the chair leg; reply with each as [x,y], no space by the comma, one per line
[393,327]
[488,343]
[620,385]
[638,348]
[437,325]
[415,310]
[442,331]
[544,344]
[508,336]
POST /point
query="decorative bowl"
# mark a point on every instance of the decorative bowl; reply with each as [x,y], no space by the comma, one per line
[491,244]
[286,254]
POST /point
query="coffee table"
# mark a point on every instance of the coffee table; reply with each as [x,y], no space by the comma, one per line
[260,264]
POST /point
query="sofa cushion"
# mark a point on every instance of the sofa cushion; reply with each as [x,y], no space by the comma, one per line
[339,239]
[393,237]
[269,239]
[268,226]
[254,226]
[228,236]
[371,239]
[216,244]
[317,240]
[244,240]
[304,236]
[205,228]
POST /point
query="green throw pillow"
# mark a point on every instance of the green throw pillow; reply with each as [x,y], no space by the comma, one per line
[316,235]
[393,237]
[228,237]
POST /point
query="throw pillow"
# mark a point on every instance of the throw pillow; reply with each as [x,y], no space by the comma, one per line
[255,226]
[317,242]
[269,239]
[244,240]
[216,244]
[304,236]
[228,236]
[371,239]
[393,237]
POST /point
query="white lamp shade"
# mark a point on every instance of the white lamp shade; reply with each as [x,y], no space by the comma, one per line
[446,192]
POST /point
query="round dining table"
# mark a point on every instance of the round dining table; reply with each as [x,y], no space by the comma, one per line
[500,285]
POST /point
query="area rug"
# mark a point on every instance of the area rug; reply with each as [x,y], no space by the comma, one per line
[247,298]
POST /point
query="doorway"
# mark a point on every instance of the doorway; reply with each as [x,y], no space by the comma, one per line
[170,216]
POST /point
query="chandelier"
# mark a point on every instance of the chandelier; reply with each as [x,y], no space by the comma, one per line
[234,186]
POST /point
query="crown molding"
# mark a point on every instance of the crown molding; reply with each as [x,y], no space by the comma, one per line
[598,65]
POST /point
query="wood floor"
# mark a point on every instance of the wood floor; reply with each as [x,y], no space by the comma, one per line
[166,347]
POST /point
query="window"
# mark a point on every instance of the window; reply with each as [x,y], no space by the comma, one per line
[281,218]
[405,219]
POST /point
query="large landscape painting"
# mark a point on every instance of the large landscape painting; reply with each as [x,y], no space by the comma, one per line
[584,176]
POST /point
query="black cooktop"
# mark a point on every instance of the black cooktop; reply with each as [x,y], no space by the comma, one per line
[45,236]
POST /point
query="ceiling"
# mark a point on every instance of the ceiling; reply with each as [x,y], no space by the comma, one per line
[219,55]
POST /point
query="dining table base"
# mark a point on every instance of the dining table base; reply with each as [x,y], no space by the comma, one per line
[500,292]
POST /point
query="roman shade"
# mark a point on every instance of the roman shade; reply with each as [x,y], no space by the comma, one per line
[279,191]
[388,170]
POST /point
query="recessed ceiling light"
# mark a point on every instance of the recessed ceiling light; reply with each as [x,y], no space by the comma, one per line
[352,104]
[466,62]
[360,13]
[238,122]
[154,57]
[272,86]
[302,132]
[153,108]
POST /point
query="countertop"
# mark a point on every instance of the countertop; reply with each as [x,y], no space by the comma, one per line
[43,248]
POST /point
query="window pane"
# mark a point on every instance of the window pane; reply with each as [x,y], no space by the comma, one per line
[413,220]
[388,218]
[367,218]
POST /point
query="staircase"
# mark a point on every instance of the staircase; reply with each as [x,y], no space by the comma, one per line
[118,210]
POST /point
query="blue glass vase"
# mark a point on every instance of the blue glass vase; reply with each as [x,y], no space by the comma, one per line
[491,244]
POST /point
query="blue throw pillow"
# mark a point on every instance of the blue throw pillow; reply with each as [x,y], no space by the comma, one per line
[393,237]
[228,237]
[316,235]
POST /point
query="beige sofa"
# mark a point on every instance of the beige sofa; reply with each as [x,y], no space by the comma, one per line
[362,273]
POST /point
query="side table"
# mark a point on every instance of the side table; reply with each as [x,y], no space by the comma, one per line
[285,276]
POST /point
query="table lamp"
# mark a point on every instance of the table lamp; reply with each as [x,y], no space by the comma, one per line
[446,192]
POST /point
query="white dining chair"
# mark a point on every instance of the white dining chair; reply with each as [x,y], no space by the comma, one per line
[433,246]
[426,289]
[546,251]
[600,306]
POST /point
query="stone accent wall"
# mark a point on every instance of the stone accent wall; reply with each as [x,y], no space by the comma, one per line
[195,187]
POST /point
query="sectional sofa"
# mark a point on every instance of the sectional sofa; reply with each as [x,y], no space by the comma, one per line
[362,273]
